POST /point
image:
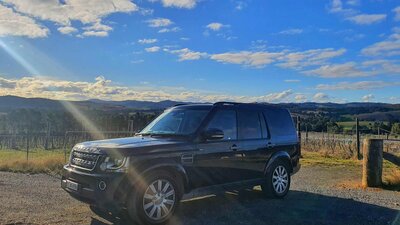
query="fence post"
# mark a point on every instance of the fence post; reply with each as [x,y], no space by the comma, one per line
[27,146]
[372,163]
[299,132]
[358,139]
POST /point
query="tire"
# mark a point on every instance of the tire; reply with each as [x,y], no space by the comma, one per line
[277,183]
[155,201]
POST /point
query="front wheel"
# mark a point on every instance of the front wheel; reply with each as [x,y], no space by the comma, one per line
[277,180]
[155,201]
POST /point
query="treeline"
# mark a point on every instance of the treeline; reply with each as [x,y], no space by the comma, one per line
[33,121]
[325,122]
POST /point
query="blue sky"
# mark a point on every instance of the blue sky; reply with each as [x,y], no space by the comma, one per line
[201,50]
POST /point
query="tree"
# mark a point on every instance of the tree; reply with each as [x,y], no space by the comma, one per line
[396,128]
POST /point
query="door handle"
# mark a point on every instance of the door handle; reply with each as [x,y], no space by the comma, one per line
[234,148]
[270,145]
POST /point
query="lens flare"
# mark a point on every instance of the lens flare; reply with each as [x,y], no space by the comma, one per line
[20,59]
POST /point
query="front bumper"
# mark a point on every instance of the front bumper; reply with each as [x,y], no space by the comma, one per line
[88,189]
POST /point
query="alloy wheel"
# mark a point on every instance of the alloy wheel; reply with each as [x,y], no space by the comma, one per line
[280,179]
[159,199]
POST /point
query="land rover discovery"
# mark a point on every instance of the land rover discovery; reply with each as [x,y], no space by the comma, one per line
[186,148]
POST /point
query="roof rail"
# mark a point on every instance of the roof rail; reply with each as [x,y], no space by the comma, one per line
[226,103]
[180,104]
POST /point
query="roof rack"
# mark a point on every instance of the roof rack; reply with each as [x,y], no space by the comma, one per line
[180,104]
[226,103]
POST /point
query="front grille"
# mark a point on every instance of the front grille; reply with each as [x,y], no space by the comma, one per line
[84,160]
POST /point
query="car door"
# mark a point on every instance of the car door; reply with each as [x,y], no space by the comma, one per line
[253,143]
[215,161]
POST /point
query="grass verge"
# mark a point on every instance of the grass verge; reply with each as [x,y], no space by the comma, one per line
[40,161]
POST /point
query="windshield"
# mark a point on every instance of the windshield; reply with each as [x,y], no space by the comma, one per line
[176,122]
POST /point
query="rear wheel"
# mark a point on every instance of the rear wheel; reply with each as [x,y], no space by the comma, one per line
[155,201]
[277,180]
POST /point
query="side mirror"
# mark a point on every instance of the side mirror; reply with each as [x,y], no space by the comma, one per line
[213,134]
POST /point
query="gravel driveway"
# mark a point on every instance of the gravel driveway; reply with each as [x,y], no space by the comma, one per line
[318,195]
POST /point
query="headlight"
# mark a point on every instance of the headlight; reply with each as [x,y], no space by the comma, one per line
[114,163]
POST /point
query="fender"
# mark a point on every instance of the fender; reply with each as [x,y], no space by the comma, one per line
[176,166]
[278,155]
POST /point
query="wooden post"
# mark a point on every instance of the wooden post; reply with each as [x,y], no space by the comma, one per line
[299,133]
[306,133]
[358,139]
[27,147]
[372,163]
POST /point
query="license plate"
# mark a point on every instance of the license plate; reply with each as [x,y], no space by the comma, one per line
[72,185]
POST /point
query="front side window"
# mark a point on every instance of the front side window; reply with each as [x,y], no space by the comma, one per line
[249,125]
[176,122]
[225,120]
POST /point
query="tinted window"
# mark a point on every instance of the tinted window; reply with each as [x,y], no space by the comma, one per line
[279,122]
[249,125]
[176,121]
[225,120]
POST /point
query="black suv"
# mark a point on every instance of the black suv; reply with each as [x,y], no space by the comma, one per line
[188,147]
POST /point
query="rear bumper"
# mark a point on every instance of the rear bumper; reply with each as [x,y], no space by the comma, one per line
[88,189]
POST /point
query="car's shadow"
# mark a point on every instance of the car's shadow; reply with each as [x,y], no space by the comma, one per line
[251,207]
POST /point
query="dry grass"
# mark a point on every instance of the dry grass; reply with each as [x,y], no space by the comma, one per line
[331,148]
[50,162]
[322,159]
[392,179]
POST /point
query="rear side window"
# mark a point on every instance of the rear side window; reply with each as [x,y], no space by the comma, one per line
[225,120]
[249,125]
[280,122]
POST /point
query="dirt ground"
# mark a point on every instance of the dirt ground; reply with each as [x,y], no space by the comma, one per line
[319,195]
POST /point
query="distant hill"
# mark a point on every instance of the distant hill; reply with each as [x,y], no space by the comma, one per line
[366,111]
[8,103]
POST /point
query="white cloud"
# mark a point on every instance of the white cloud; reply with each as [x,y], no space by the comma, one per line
[16,24]
[180,3]
[300,98]
[291,31]
[321,97]
[388,47]
[187,54]
[159,22]
[354,16]
[292,81]
[240,5]
[336,6]
[147,41]
[6,84]
[153,49]
[275,97]
[67,30]
[187,4]
[167,30]
[361,85]
[339,70]
[367,19]
[95,33]
[397,13]
[368,98]
[247,58]
[88,12]
[215,26]
[298,60]
[259,59]
[105,89]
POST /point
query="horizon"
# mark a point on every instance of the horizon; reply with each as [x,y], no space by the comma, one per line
[166,100]
[336,51]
